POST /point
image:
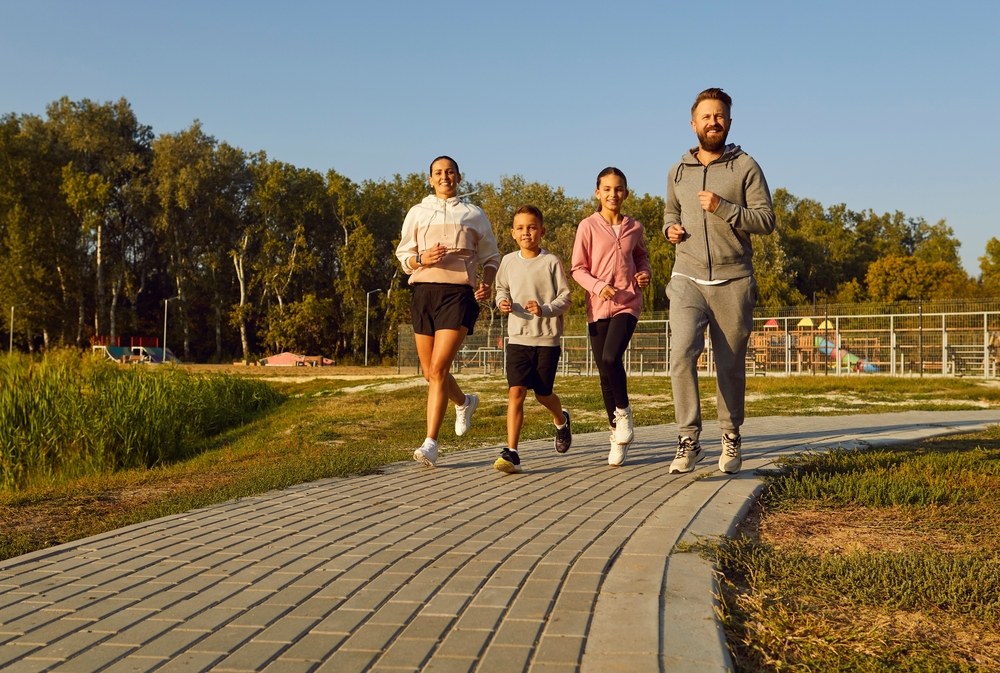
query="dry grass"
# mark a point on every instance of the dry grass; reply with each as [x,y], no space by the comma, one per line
[828,584]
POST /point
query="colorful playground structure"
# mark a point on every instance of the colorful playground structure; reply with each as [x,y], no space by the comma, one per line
[141,350]
[812,348]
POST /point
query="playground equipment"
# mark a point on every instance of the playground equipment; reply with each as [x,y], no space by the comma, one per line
[141,350]
[847,359]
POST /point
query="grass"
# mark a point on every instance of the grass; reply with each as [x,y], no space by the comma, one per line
[67,416]
[330,427]
[872,560]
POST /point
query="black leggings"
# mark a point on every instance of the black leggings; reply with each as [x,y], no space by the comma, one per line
[609,338]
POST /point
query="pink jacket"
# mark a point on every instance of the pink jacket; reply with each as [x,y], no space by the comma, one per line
[600,259]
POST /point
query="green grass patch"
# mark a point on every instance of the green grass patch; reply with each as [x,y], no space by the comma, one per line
[67,416]
[329,427]
[871,560]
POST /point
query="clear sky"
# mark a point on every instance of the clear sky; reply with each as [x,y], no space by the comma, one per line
[881,105]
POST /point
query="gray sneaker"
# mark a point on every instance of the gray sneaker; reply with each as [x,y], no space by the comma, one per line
[463,415]
[731,459]
[689,453]
[564,437]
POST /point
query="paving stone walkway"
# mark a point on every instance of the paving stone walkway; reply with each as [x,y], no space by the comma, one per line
[567,567]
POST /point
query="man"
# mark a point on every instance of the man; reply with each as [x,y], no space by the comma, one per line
[716,198]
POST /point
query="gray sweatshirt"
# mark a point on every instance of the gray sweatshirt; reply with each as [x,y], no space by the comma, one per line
[717,245]
[543,279]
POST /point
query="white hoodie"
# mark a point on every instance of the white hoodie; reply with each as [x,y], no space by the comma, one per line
[457,225]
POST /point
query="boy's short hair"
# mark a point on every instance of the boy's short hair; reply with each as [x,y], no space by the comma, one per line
[530,210]
[714,93]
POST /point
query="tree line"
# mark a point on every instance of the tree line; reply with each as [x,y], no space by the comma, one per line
[101,221]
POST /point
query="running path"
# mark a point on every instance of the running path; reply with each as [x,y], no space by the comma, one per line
[568,566]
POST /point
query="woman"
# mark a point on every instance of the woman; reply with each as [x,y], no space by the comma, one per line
[444,241]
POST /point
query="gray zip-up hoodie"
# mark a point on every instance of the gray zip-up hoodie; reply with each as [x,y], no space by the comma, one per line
[717,245]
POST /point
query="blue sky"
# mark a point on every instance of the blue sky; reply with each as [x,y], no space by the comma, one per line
[888,106]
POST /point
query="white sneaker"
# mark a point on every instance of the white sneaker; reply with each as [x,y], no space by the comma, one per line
[623,426]
[463,414]
[618,453]
[688,454]
[427,453]
[731,459]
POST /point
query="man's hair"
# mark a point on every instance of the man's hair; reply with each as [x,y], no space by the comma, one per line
[530,210]
[714,93]
[445,156]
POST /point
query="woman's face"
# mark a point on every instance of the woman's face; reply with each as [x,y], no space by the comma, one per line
[444,179]
[611,193]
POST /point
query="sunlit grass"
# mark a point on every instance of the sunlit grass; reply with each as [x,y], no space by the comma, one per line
[913,585]
[333,428]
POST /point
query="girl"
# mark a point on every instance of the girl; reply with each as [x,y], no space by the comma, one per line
[610,262]
[443,241]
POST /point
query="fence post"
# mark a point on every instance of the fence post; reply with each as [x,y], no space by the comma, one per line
[788,351]
[840,354]
[892,343]
[666,343]
[986,346]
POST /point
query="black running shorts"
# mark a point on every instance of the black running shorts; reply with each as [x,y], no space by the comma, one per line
[443,306]
[533,367]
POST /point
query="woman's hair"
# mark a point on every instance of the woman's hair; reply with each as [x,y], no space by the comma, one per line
[610,170]
[444,156]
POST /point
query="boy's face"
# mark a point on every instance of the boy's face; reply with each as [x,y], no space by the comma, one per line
[527,231]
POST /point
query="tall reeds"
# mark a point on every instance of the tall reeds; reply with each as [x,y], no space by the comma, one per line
[67,416]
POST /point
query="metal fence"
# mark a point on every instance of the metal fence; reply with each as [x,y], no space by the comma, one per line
[795,340]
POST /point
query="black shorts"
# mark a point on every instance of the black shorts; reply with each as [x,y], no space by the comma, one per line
[533,367]
[443,306]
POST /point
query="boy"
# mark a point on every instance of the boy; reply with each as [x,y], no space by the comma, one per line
[532,289]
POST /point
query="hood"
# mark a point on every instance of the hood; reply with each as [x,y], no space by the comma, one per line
[732,153]
[434,202]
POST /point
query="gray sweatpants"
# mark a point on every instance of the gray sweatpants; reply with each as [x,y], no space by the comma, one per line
[727,311]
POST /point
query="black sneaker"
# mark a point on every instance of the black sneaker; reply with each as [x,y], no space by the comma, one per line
[508,462]
[564,437]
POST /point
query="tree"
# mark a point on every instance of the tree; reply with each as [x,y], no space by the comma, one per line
[897,278]
[184,187]
[356,279]
[107,141]
[989,265]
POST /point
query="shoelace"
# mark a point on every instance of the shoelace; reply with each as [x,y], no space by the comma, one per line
[731,447]
[684,445]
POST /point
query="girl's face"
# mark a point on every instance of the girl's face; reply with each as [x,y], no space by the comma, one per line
[611,193]
[444,179]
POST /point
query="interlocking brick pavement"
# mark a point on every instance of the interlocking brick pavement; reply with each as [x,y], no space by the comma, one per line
[570,566]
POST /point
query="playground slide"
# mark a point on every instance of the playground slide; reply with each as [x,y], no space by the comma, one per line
[847,359]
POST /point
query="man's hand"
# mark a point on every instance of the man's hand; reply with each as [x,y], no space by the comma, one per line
[482,292]
[533,308]
[504,305]
[607,292]
[675,233]
[642,278]
[709,200]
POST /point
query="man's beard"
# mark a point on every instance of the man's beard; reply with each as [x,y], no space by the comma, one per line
[712,143]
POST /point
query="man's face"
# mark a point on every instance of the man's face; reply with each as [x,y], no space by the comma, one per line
[711,123]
